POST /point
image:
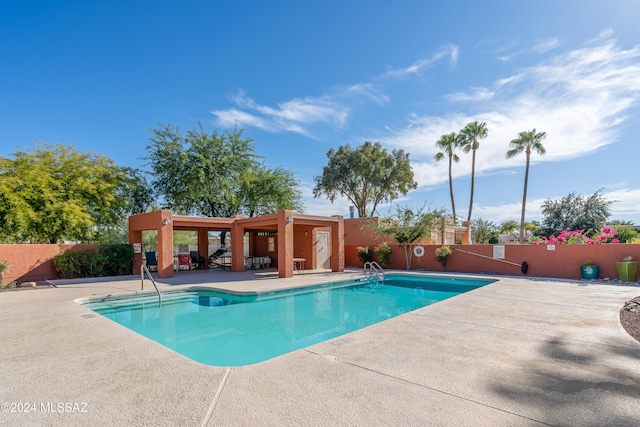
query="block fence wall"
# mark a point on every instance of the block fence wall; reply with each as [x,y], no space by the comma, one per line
[563,262]
[31,263]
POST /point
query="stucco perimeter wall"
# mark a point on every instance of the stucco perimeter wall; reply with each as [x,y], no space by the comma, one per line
[30,263]
[564,261]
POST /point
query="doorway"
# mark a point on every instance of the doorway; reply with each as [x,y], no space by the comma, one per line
[323,249]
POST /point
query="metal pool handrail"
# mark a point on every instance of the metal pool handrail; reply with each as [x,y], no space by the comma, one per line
[373,268]
[144,268]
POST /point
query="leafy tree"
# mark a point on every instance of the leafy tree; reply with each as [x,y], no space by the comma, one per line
[527,141]
[448,143]
[470,136]
[575,212]
[56,192]
[367,176]
[512,226]
[484,229]
[200,173]
[265,191]
[627,231]
[217,174]
[408,228]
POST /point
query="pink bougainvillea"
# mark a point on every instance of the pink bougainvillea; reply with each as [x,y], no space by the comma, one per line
[577,237]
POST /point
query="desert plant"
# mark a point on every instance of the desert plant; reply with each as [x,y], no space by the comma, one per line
[442,255]
[383,252]
[9,285]
[587,262]
[365,254]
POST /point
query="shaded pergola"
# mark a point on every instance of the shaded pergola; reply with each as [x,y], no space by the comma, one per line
[283,224]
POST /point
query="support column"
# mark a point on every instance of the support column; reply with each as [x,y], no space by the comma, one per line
[203,247]
[237,247]
[165,246]
[136,237]
[285,244]
[337,246]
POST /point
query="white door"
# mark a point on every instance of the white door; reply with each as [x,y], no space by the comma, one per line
[323,249]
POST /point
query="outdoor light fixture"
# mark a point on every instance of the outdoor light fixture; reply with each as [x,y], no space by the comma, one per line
[166,221]
[289,218]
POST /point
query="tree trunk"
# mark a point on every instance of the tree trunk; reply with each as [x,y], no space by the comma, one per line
[453,204]
[524,198]
[408,254]
[473,172]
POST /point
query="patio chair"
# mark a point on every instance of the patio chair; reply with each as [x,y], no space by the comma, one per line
[152,261]
[185,259]
[197,260]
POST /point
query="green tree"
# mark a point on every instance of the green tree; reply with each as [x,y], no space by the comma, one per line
[448,143]
[366,176]
[575,212]
[266,190]
[484,229]
[50,193]
[470,136]
[626,230]
[511,226]
[527,141]
[408,228]
[217,174]
[200,173]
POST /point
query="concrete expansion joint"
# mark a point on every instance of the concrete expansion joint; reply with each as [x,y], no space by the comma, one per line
[214,402]
[406,381]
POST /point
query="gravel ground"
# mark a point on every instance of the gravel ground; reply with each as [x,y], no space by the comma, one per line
[630,317]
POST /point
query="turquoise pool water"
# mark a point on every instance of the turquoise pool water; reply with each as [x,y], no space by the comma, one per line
[229,330]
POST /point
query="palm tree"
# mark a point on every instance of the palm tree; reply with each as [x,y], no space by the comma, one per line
[471,134]
[527,141]
[447,143]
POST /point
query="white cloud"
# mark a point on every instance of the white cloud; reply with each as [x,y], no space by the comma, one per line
[321,205]
[301,115]
[451,51]
[295,115]
[626,204]
[544,46]
[578,98]
[477,94]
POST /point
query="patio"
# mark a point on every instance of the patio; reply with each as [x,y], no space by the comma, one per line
[515,352]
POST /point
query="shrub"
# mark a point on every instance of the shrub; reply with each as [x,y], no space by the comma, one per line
[106,260]
[383,253]
[365,254]
[577,237]
[442,255]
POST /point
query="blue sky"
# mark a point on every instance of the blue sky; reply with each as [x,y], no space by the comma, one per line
[305,76]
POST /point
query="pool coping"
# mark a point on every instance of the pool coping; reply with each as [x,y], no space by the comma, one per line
[511,350]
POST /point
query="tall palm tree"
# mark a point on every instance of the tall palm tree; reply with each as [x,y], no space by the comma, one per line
[526,141]
[471,134]
[447,143]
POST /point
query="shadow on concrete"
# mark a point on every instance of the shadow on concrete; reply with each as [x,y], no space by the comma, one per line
[578,383]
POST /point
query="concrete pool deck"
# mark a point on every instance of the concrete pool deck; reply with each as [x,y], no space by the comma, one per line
[518,352]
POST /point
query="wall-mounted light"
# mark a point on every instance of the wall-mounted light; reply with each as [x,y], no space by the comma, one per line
[166,221]
[289,218]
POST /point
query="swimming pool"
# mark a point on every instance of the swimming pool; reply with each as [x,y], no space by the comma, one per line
[223,329]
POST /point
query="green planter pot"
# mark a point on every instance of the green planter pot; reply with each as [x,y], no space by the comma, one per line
[627,271]
[590,271]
